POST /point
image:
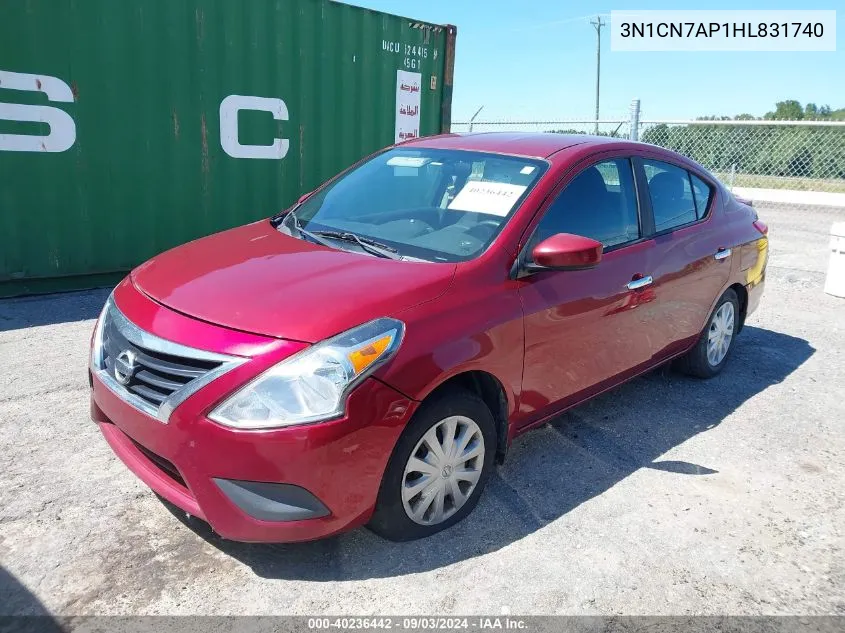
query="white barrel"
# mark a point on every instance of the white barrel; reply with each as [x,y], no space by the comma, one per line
[835,282]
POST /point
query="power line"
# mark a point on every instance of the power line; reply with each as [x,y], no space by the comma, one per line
[553,23]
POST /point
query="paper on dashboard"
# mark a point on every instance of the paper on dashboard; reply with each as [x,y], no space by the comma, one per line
[495,198]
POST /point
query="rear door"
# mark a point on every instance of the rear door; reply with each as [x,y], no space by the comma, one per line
[690,261]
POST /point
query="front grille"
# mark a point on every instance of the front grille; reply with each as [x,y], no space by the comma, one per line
[155,376]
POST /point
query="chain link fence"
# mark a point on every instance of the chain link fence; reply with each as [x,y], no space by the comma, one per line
[620,128]
[798,164]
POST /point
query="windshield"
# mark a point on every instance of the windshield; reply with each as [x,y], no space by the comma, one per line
[432,204]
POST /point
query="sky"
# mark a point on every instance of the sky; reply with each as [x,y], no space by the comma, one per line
[536,60]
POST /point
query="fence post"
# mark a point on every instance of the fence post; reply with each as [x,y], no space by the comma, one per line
[634,125]
[472,118]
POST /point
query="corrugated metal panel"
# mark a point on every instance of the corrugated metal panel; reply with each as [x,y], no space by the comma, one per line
[141,84]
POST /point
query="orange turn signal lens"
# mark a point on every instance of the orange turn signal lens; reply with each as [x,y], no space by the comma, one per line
[366,356]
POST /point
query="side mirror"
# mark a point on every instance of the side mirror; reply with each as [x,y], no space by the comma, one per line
[304,197]
[564,251]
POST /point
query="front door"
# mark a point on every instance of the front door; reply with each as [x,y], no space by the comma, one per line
[583,329]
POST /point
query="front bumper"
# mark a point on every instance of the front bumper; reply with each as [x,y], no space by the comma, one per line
[258,485]
[340,463]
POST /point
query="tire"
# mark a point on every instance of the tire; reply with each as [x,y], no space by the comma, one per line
[391,519]
[698,362]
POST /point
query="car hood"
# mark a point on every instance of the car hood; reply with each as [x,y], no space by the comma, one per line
[255,279]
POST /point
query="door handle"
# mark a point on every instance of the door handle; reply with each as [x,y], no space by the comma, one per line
[642,282]
[722,253]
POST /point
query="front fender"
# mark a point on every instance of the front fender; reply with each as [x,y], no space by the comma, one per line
[479,333]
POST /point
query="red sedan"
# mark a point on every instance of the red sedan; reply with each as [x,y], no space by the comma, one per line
[365,356]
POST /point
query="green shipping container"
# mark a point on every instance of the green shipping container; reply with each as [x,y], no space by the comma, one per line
[128,127]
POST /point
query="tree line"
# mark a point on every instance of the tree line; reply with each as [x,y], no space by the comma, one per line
[791,151]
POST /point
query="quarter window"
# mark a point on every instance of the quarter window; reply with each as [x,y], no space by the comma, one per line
[599,203]
[701,192]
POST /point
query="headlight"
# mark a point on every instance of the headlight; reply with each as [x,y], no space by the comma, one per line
[313,384]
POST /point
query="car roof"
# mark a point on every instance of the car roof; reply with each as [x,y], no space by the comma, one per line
[534,144]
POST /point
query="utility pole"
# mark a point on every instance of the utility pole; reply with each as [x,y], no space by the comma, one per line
[598,24]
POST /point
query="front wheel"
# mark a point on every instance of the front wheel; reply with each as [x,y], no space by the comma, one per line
[438,469]
[710,354]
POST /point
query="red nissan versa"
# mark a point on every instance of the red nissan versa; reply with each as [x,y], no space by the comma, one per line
[365,356]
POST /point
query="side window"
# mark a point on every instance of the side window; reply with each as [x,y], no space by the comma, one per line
[599,203]
[671,195]
[701,191]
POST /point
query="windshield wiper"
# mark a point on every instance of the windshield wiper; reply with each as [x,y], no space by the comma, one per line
[301,231]
[371,246]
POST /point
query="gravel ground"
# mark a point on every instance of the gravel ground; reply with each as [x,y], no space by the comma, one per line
[667,496]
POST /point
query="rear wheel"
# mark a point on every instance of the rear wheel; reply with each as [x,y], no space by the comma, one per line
[710,354]
[438,469]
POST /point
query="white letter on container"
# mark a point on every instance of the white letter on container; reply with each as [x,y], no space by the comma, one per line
[229,108]
[62,128]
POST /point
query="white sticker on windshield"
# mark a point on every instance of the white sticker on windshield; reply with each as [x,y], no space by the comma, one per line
[495,198]
[526,170]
